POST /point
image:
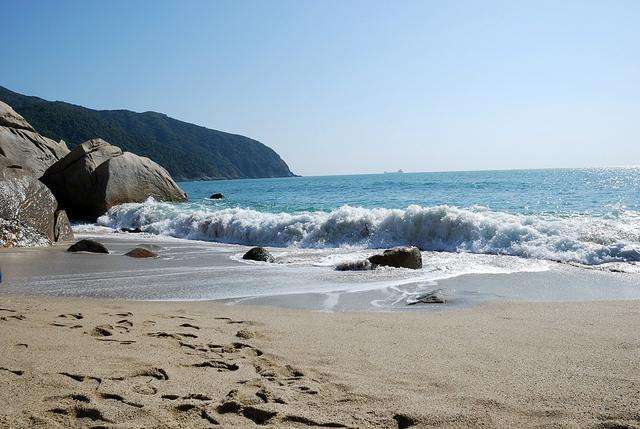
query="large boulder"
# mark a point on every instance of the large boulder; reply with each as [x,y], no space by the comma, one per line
[96,176]
[399,257]
[23,146]
[28,210]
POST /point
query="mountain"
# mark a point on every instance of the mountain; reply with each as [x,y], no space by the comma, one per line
[187,151]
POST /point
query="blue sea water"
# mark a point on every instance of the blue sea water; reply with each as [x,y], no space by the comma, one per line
[598,191]
[587,216]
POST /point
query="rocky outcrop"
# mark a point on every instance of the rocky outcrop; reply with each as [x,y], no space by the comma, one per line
[29,213]
[216,196]
[90,246]
[96,176]
[259,254]
[10,118]
[399,257]
[22,145]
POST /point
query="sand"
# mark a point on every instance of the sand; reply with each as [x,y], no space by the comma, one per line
[106,363]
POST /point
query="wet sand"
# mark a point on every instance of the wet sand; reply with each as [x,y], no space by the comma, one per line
[109,363]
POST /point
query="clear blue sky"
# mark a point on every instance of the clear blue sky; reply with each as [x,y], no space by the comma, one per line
[350,86]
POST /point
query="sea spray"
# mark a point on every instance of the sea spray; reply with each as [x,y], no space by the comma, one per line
[576,238]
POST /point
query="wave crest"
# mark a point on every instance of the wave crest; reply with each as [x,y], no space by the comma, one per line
[577,238]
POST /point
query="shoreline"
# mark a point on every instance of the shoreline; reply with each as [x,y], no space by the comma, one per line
[189,270]
[188,364]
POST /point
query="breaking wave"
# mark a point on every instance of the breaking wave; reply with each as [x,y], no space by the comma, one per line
[577,238]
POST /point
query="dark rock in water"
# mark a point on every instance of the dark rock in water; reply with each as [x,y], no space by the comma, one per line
[86,245]
[131,230]
[216,196]
[27,208]
[62,230]
[23,146]
[433,297]
[141,252]
[399,257]
[363,265]
[259,254]
[96,176]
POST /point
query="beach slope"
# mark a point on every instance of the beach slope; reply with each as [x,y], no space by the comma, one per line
[107,363]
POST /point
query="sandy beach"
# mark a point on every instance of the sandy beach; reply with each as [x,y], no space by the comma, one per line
[112,363]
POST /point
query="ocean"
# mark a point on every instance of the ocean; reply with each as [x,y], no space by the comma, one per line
[529,235]
[585,216]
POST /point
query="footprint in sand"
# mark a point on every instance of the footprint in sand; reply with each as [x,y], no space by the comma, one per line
[125,314]
[220,365]
[17,372]
[236,404]
[245,334]
[197,411]
[102,331]
[80,412]
[189,325]
[116,397]
[81,377]
[76,316]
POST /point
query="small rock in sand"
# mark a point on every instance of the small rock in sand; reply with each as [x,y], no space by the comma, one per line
[141,252]
[85,245]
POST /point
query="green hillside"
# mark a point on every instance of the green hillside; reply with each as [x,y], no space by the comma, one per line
[187,151]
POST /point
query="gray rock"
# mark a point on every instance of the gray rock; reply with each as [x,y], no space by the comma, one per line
[259,254]
[62,228]
[11,118]
[434,297]
[363,265]
[96,176]
[25,203]
[399,257]
[86,245]
[141,252]
[15,234]
[216,196]
[23,146]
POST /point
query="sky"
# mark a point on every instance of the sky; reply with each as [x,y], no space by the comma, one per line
[345,87]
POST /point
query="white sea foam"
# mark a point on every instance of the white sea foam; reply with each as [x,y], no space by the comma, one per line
[576,238]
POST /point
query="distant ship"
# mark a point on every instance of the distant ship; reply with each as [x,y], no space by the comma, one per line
[394,172]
